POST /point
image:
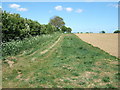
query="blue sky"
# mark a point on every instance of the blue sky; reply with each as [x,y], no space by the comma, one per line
[60,0]
[80,16]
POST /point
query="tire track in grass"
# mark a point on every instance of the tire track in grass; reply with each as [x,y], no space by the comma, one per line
[53,49]
[41,53]
[45,51]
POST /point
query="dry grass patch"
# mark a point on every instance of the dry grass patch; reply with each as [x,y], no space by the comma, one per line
[88,74]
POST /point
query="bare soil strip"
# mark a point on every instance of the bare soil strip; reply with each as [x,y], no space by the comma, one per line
[106,42]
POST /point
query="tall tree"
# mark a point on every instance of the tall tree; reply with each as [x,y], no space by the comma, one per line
[57,22]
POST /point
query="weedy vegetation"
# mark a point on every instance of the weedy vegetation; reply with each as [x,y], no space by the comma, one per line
[28,45]
[71,63]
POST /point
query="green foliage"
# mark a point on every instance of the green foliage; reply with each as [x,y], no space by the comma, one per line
[81,83]
[75,74]
[106,79]
[50,29]
[15,47]
[117,31]
[15,27]
[66,29]
[66,81]
[102,31]
[57,22]
[63,29]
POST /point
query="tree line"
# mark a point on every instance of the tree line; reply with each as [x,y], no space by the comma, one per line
[15,27]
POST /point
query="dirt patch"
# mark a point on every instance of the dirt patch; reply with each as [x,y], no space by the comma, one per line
[88,74]
[98,63]
[96,80]
[105,74]
[19,75]
[114,62]
[106,42]
[10,63]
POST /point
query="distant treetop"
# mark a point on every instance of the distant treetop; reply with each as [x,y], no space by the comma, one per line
[57,21]
[102,31]
[117,31]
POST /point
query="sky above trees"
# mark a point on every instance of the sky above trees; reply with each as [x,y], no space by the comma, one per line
[61,0]
[80,16]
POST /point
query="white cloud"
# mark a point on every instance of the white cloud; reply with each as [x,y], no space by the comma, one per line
[17,7]
[79,10]
[0,6]
[59,8]
[14,6]
[21,9]
[69,9]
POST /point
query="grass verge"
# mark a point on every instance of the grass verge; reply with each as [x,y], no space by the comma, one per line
[71,63]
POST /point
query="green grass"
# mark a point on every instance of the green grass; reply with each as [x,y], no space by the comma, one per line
[106,79]
[28,45]
[71,63]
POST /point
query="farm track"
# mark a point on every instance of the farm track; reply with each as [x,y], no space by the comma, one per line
[66,63]
[45,51]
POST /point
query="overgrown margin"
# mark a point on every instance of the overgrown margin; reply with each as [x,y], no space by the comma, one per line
[0,48]
[15,47]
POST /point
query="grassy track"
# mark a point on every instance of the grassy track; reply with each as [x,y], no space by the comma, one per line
[71,63]
[28,45]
